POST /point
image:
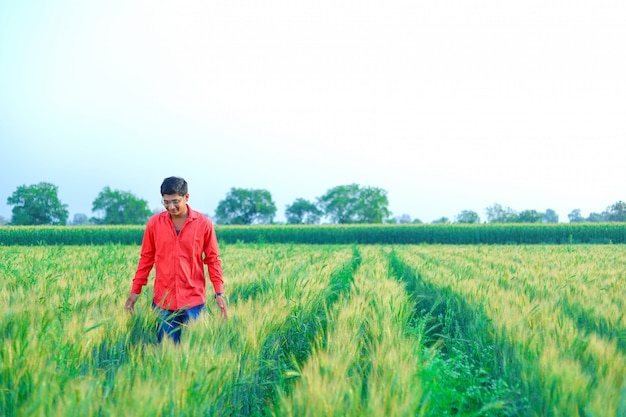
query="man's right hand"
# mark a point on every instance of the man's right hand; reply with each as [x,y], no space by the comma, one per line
[130,303]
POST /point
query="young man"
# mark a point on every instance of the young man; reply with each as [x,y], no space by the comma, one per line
[179,242]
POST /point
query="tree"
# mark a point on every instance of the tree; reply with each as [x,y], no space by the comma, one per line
[37,204]
[80,219]
[550,216]
[120,207]
[373,207]
[575,216]
[596,217]
[246,206]
[352,204]
[303,211]
[442,220]
[616,212]
[3,221]
[529,216]
[467,216]
[403,219]
[499,214]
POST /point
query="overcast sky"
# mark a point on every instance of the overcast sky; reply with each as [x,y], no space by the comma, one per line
[446,105]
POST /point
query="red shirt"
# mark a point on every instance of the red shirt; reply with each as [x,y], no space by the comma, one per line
[180,281]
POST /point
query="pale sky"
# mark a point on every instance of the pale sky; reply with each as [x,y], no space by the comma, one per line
[447,105]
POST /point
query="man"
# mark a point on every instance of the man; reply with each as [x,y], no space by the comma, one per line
[179,242]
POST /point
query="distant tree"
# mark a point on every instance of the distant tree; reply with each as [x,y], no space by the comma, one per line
[596,217]
[442,220]
[467,216]
[246,206]
[616,212]
[120,207]
[575,216]
[529,216]
[374,206]
[303,211]
[499,214]
[550,216]
[37,204]
[417,221]
[3,221]
[354,204]
[403,219]
[80,219]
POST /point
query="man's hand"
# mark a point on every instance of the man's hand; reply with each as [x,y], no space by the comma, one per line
[130,303]
[221,303]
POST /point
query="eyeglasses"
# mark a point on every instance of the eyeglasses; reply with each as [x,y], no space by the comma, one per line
[173,202]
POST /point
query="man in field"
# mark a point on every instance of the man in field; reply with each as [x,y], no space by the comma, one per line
[179,242]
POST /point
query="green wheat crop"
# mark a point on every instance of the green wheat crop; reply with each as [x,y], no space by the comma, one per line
[558,312]
[321,330]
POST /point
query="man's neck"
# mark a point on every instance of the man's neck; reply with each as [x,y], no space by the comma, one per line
[180,217]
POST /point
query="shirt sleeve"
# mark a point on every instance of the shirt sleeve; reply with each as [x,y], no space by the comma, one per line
[146,260]
[212,258]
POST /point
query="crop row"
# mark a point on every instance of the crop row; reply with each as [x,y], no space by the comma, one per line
[454,234]
[556,314]
[67,348]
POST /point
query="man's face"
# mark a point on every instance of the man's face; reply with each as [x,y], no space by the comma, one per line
[175,204]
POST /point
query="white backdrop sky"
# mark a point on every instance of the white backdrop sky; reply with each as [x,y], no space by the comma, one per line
[447,105]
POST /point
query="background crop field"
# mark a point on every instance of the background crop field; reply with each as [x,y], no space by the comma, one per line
[332,330]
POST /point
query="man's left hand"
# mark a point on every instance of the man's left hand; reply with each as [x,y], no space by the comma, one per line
[221,303]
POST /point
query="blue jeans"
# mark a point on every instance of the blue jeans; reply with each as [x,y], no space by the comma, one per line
[171,322]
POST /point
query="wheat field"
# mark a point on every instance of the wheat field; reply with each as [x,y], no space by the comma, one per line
[322,330]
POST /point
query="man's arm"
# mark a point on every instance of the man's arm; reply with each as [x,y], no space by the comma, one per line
[214,265]
[212,259]
[146,262]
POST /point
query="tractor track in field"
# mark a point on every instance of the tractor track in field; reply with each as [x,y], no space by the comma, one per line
[454,326]
[254,395]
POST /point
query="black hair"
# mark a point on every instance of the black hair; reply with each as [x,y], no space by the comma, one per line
[174,185]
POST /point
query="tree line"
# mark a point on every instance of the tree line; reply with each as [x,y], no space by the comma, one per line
[39,204]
